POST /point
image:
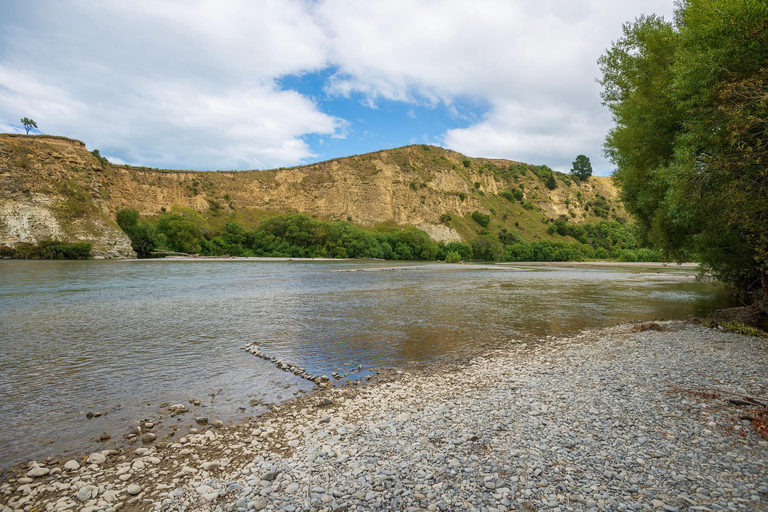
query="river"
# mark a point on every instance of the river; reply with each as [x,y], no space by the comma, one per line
[123,337]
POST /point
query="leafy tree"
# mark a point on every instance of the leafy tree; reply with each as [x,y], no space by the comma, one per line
[143,235]
[582,168]
[127,219]
[28,124]
[689,101]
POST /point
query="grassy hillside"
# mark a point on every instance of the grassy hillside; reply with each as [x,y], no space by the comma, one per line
[55,187]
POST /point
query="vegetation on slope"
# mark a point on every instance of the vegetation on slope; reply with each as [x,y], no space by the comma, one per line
[299,236]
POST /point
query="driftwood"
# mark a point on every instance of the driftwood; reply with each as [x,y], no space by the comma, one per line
[758,417]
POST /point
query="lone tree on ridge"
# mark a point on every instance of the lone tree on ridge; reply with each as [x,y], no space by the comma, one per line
[28,124]
[582,168]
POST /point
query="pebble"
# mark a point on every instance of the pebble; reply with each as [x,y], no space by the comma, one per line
[96,458]
[585,422]
[38,471]
[71,465]
[133,489]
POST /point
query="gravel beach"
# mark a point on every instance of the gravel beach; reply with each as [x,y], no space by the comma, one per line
[600,420]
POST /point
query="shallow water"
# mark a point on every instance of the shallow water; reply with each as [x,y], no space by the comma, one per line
[122,337]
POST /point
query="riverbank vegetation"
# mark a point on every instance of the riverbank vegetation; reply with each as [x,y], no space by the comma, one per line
[47,250]
[690,101]
[299,236]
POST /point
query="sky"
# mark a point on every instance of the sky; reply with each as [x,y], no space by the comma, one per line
[243,84]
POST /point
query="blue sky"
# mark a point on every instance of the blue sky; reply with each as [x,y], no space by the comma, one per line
[260,84]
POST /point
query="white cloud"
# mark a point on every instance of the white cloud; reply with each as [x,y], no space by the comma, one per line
[533,62]
[179,84]
[194,83]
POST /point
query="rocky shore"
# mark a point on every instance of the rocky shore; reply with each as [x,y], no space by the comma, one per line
[602,420]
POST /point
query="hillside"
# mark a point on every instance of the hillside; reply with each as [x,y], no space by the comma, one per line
[53,187]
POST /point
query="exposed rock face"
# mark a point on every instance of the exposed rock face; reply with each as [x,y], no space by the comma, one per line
[52,187]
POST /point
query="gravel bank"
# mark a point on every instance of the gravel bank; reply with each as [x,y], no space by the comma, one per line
[584,422]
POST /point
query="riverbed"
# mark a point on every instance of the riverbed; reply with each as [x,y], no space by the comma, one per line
[118,339]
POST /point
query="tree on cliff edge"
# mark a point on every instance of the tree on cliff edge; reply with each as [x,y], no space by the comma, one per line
[582,168]
[28,124]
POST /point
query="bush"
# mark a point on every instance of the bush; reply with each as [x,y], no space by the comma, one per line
[487,248]
[627,255]
[467,162]
[452,257]
[51,250]
[462,196]
[481,218]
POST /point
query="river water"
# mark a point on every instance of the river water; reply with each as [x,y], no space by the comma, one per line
[124,337]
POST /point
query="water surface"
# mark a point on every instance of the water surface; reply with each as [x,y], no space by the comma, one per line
[123,337]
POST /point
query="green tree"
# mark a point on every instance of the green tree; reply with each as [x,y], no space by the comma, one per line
[551,183]
[28,124]
[690,103]
[581,168]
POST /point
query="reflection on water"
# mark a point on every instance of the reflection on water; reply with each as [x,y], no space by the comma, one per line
[127,336]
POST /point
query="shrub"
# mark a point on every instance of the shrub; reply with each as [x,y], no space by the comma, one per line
[452,257]
[445,218]
[467,162]
[481,218]
[462,196]
[628,256]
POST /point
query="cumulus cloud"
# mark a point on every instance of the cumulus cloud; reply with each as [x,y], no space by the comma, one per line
[195,84]
[180,84]
[533,61]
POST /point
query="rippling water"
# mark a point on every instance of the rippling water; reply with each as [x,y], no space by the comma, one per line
[125,336]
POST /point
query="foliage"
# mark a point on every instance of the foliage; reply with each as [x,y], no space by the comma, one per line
[740,328]
[481,218]
[102,160]
[143,235]
[581,168]
[466,162]
[690,102]
[487,248]
[50,250]
[28,124]
[551,183]
[452,257]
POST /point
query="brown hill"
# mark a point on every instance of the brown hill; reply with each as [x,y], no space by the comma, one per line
[52,187]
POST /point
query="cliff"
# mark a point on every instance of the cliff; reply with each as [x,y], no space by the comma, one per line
[53,187]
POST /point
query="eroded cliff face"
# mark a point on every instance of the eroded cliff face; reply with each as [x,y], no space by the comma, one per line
[54,188]
[51,189]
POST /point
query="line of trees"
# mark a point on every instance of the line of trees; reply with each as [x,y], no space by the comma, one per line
[294,235]
[690,101]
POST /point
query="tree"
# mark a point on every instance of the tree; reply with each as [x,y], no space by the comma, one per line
[690,103]
[582,168]
[551,183]
[28,124]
